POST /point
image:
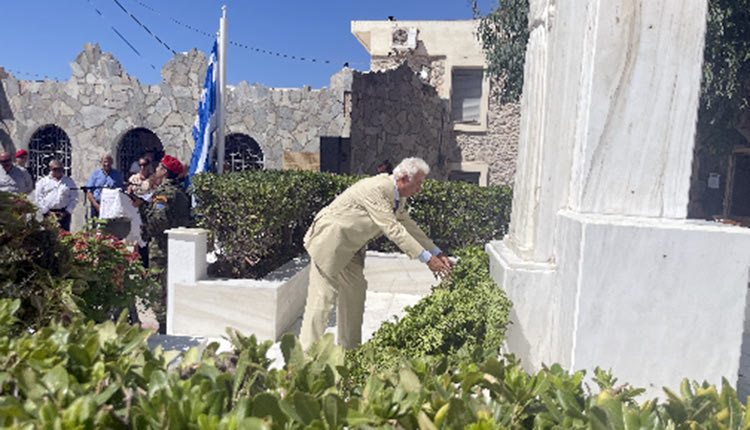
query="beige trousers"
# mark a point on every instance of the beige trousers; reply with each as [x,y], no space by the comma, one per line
[350,286]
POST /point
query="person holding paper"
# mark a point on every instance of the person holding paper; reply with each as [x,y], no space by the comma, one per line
[106,177]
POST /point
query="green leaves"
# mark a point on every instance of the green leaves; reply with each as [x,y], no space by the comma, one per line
[464,318]
[259,217]
[504,34]
[46,385]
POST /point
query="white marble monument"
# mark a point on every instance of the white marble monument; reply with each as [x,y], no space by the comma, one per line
[600,262]
[205,307]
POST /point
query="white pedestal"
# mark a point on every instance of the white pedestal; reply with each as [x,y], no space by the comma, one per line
[187,262]
[655,300]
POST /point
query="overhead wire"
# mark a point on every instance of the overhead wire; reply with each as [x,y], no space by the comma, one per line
[144,27]
[120,35]
[242,45]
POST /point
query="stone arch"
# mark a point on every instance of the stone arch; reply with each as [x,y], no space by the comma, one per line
[48,143]
[132,145]
[242,152]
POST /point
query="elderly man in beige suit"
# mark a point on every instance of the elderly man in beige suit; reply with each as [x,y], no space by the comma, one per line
[337,239]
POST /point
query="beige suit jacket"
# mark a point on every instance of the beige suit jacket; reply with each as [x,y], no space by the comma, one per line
[361,213]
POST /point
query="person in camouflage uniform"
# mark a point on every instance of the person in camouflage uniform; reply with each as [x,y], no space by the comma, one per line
[169,207]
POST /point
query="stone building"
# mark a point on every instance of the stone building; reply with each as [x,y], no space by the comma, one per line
[411,104]
[482,135]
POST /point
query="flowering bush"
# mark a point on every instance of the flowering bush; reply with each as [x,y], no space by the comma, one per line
[114,274]
[58,276]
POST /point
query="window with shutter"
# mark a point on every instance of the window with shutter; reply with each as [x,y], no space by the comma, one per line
[466,100]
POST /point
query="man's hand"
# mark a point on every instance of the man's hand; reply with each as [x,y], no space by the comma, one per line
[445,259]
[439,267]
[136,202]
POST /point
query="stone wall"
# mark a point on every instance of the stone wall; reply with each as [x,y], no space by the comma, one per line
[395,115]
[429,69]
[497,146]
[288,119]
[100,103]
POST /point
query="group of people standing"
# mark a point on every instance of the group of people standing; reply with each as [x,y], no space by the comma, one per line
[156,189]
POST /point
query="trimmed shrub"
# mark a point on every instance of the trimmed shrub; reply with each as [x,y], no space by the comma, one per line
[458,214]
[259,218]
[465,316]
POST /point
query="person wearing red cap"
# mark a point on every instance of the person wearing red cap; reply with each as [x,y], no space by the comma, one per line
[168,207]
[22,157]
[13,178]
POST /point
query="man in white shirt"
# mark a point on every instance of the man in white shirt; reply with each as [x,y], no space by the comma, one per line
[57,195]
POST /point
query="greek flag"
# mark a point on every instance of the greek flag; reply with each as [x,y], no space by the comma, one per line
[205,122]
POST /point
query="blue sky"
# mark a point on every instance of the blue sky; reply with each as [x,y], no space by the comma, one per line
[41,37]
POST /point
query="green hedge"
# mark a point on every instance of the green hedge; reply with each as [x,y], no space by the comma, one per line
[258,218]
[458,214]
[467,312]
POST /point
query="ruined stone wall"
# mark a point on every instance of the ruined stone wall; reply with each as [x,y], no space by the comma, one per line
[395,115]
[429,69]
[100,103]
[497,146]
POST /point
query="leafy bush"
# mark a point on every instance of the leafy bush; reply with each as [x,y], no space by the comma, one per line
[56,275]
[34,265]
[259,218]
[105,376]
[467,314]
[458,214]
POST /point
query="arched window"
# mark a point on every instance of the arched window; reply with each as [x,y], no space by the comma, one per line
[48,143]
[132,145]
[242,152]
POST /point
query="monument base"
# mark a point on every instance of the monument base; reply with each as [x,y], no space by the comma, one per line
[654,300]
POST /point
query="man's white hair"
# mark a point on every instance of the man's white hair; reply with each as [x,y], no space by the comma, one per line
[409,167]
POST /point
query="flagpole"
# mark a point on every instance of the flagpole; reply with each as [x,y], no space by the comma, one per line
[220,99]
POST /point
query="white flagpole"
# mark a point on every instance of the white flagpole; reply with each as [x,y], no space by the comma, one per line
[220,96]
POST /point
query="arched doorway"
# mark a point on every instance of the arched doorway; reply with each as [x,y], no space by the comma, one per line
[48,143]
[132,145]
[242,152]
